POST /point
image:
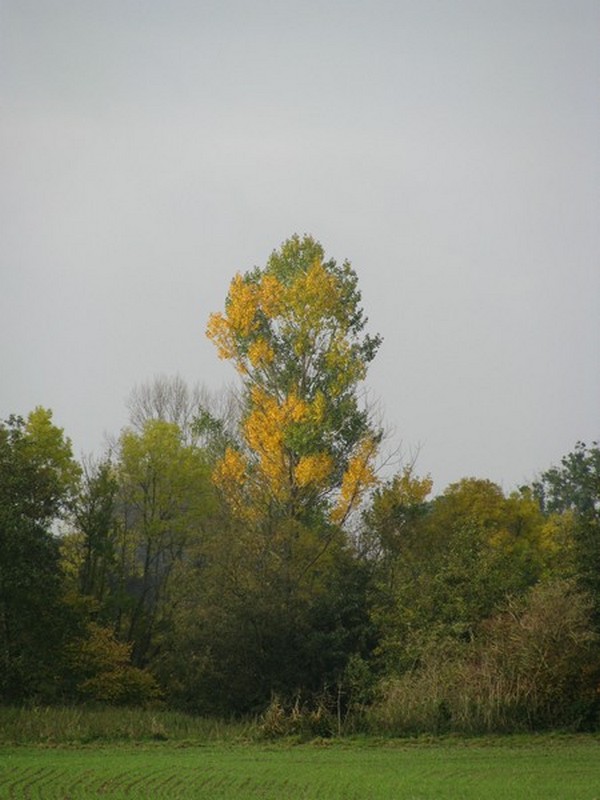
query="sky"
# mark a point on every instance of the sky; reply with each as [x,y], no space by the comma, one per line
[449,149]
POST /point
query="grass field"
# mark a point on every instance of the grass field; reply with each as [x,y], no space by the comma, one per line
[544,768]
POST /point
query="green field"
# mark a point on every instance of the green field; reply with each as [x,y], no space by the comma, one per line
[534,768]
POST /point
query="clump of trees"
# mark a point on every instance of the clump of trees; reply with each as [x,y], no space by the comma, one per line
[238,554]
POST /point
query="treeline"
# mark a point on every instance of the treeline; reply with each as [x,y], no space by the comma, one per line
[238,555]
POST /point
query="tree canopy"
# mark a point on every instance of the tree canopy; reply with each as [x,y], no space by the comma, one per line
[295,332]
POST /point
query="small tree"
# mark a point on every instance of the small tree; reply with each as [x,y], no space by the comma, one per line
[102,670]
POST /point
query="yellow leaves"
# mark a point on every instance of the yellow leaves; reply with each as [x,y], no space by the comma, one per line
[265,425]
[276,468]
[271,296]
[261,310]
[312,300]
[293,332]
[108,676]
[260,353]
[242,305]
[314,294]
[230,469]
[413,491]
[265,429]
[230,476]
[342,363]
[245,300]
[238,320]
[313,469]
[405,492]
[218,331]
[359,476]
[318,408]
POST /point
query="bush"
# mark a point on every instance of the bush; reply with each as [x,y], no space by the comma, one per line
[103,672]
[303,721]
[533,666]
[125,685]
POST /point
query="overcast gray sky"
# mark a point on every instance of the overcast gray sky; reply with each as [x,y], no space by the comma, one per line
[449,149]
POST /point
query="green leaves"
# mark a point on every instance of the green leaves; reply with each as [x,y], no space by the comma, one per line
[37,480]
[294,331]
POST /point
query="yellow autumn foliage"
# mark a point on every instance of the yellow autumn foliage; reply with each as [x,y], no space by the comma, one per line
[242,305]
[313,295]
[293,330]
[313,469]
[359,476]
[271,293]
[300,310]
[231,468]
[264,430]
[412,490]
[318,408]
[260,353]
[229,476]
[218,331]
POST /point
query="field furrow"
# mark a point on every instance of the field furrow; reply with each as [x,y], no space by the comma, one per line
[544,770]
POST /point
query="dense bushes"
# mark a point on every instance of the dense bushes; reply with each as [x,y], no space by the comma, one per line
[535,665]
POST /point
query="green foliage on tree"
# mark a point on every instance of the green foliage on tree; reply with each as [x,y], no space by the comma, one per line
[239,636]
[164,494]
[137,517]
[572,491]
[38,479]
[260,604]
[444,566]
[533,665]
[295,332]
[95,521]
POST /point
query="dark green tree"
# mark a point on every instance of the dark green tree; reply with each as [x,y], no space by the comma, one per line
[38,477]
[572,489]
[95,523]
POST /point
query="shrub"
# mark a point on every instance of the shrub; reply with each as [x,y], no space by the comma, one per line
[125,685]
[533,666]
[303,721]
[103,672]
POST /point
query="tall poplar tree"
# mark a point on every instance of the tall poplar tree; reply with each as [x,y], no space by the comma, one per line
[295,333]
[284,585]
